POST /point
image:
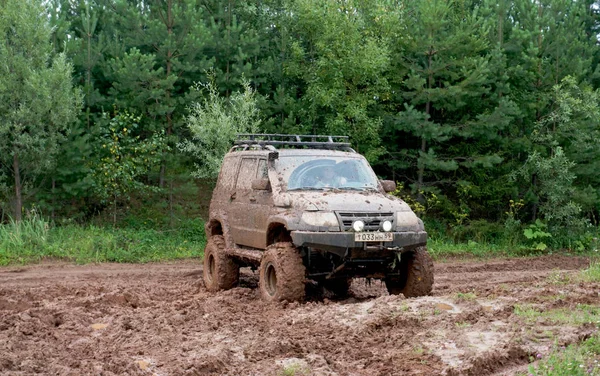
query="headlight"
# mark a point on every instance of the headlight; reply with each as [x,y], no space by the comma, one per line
[386,226]
[320,219]
[407,221]
[358,226]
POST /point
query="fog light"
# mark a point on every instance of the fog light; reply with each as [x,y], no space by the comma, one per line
[358,226]
[386,226]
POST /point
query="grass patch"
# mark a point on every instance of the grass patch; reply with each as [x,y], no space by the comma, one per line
[443,248]
[34,239]
[294,369]
[592,274]
[465,296]
[440,249]
[582,314]
[575,360]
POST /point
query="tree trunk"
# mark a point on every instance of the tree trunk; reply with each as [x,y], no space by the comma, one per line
[18,199]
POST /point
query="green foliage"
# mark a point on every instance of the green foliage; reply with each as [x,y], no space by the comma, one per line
[31,233]
[214,123]
[341,57]
[34,239]
[536,233]
[468,104]
[37,99]
[123,157]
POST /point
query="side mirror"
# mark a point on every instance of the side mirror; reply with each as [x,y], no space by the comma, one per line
[261,184]
[388,185]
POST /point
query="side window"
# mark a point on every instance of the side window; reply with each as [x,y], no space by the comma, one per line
[247,173]
[262,173]
[228,171]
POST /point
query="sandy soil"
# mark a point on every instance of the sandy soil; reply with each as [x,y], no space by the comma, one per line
[158,319]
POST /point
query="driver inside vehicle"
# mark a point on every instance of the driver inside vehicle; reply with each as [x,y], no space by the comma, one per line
[328,177]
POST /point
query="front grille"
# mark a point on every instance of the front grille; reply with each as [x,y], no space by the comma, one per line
[372,220]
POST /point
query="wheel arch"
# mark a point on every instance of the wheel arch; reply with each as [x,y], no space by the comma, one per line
[218,225]
[277,231]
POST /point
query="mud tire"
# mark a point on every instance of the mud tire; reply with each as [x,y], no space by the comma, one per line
[416,275]
[220,271]
[282,274]
[338,286]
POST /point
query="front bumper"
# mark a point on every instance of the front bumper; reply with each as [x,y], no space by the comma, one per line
[341,242]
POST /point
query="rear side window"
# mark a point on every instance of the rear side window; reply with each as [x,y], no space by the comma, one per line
[228,172]
[247,173]
[262,169]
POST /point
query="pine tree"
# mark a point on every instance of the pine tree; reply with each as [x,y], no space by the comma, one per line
[448,98]
[163,41]
[37,100]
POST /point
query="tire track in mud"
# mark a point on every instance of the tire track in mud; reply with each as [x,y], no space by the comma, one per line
[159,319]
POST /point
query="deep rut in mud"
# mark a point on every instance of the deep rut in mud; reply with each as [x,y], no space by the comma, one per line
[159,319]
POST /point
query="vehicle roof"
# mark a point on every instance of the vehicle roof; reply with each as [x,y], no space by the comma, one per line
[296,152]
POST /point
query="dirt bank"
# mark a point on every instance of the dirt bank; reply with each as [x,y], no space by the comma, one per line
[158,319]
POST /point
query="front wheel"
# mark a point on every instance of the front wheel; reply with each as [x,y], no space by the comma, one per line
[282,273]
[416,275]
[221,272]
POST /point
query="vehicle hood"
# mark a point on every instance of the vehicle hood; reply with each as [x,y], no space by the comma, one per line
[346,201]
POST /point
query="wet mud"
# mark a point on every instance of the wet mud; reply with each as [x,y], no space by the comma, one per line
[158,319]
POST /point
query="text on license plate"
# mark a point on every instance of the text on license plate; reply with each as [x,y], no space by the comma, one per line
[373,237]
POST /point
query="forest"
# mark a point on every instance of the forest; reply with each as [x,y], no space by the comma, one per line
[114,114]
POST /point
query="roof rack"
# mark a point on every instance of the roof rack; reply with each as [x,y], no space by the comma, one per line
[293,141]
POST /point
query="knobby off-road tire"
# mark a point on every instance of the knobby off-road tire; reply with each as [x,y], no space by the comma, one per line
[416,275]
[282,274]
[338,286]
[221,272]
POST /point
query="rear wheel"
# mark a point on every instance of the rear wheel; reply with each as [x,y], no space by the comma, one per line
[282,273]
[416,275]
[221,272]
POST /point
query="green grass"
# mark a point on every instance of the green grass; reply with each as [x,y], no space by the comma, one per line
[575,360]
[592,274]
[466,296]
[34,239]
[582,314]
[443,248]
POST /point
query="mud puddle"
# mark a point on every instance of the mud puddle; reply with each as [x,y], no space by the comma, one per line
[158,319]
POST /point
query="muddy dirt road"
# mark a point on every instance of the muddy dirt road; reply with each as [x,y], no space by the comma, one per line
[158,319]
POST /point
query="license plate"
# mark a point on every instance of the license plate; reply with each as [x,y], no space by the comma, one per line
[373,237]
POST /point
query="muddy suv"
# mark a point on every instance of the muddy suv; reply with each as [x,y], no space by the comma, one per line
[309,208]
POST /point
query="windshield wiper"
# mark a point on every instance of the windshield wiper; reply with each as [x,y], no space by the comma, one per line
[360,189]
[308,189]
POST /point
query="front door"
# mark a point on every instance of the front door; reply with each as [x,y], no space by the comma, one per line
[249,209]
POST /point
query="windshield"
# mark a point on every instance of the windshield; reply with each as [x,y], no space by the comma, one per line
[319,173]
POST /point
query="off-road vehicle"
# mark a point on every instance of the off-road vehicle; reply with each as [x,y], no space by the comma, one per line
[310,208]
